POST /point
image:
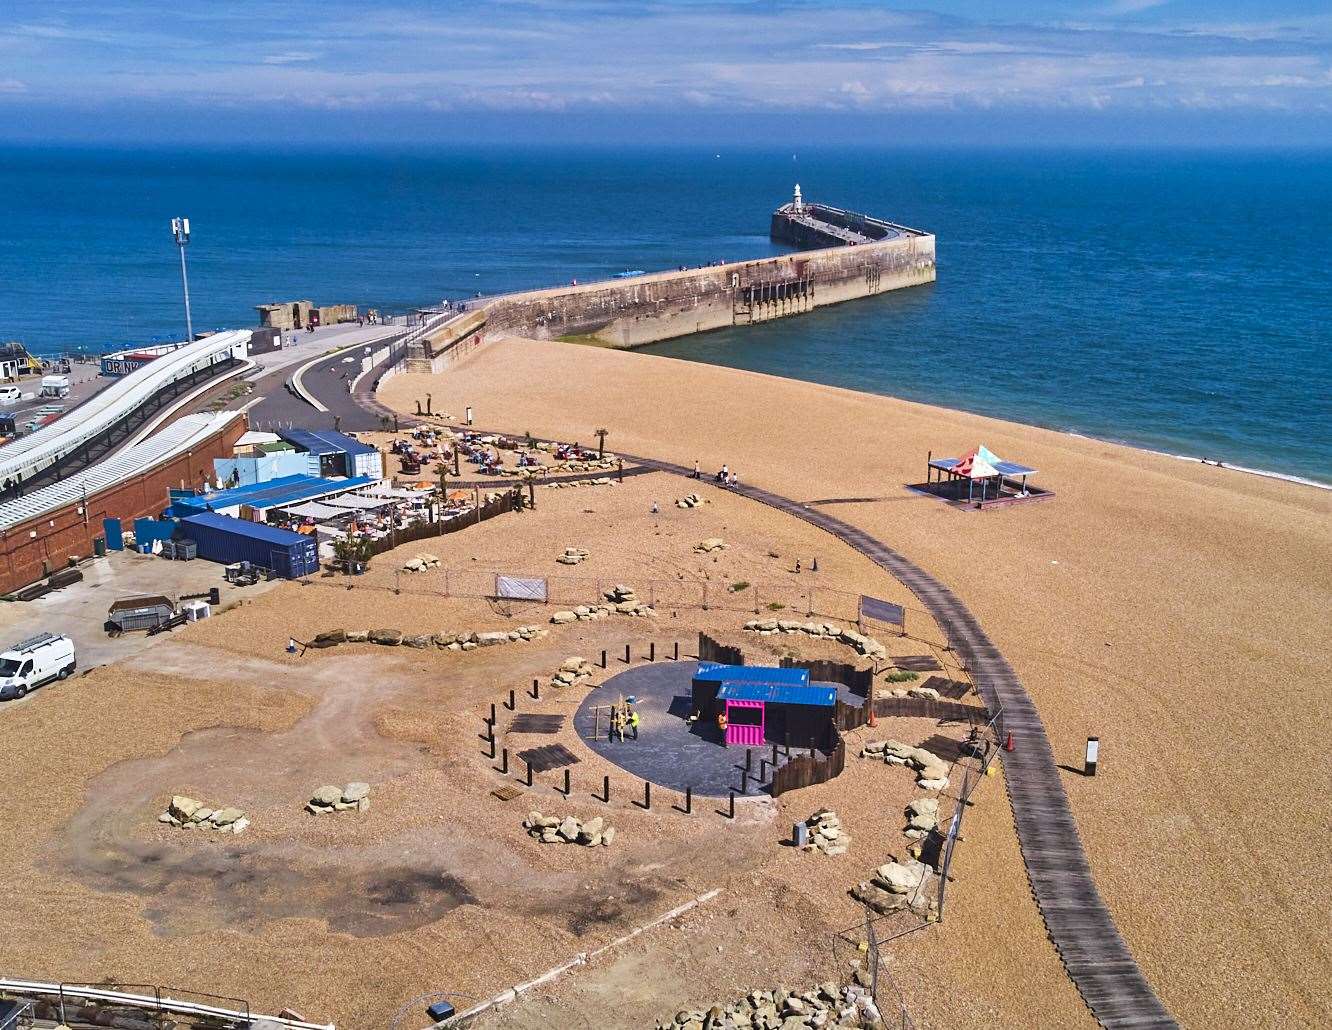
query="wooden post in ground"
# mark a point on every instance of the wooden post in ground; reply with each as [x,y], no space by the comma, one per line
[504,760]
[529,773]
[567,785]
[605,789]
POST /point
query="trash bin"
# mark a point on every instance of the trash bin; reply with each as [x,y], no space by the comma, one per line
[800,834]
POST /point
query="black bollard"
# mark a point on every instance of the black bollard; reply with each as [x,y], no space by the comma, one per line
[513,700]
[749,759]
[491,720]
[647,796]
[774,754]
[627,659]
[605,789]
[744,781]
[763,770]
[731,814]
[529,773]
[504,760]
[492,749]
[567,786]
[603,658]
[677,650]
[536,689]
[652,651]
[689,800]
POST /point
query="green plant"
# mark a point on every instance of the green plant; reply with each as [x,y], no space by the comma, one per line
[902,676]
[739,585]
[350,549]
[775,606]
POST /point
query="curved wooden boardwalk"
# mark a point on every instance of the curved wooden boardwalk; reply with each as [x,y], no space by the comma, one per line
[1079,924]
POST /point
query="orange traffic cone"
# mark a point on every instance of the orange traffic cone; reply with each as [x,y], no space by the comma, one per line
[1008,744]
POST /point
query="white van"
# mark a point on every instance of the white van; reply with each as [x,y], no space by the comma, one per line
[10,395]
[55,386]
[32,662]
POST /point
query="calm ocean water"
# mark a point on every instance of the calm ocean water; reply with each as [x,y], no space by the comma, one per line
[1178,301]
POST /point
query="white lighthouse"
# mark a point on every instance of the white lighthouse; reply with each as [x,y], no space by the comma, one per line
[797,204]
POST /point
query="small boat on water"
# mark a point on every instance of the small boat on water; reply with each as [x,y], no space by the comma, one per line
[629,275]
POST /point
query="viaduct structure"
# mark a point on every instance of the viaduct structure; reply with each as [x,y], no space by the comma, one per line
[842,256]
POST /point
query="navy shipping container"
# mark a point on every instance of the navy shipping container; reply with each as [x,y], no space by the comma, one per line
[224,539]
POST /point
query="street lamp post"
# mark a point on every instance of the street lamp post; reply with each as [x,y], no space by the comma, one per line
[180,229]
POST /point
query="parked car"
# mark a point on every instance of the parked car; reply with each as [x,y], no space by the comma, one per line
[10,395]
[32,662]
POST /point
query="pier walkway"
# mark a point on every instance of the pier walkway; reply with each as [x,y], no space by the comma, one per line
[1077,920]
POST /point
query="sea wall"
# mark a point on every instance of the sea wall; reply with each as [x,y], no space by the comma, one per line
[648,308]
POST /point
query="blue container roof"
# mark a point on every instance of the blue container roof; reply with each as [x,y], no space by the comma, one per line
[715,672]
[280,492]
[253,530]
[324,441]
[778,693]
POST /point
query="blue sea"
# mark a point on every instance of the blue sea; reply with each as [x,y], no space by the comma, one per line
[1173,300]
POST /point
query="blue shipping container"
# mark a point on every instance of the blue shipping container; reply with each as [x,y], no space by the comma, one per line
[224,539]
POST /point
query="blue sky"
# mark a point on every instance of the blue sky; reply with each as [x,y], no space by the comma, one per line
[264,72]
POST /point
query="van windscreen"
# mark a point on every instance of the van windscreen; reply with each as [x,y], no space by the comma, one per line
[8,666]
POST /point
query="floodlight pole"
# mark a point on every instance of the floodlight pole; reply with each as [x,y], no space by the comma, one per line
[180,231]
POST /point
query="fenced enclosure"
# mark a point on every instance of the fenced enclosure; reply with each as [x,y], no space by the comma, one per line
[506,502]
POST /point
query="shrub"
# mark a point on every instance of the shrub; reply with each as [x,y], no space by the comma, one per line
[739,585]
[902,676]
[775,606]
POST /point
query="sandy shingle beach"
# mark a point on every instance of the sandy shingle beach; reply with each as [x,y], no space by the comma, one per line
[1175,610]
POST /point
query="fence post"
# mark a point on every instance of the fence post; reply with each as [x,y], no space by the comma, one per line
[504,760]
[627,659]
[603,657]
[567,786]
[652,651]
[605,789]
[689,800]
[536,689]
[529,773]
[731,813]
[677,650]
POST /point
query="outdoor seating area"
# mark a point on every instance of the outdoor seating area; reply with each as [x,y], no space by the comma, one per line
[979,479]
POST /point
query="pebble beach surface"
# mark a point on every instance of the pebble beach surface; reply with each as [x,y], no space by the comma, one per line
[1172,609]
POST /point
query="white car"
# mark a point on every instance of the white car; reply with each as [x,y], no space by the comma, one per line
[10,395]
[32,662]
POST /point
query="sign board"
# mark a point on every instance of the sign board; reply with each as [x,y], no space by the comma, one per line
[515,588]
[882,611]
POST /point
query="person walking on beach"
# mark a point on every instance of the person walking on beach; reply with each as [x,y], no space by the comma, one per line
[697,474]
[724,474]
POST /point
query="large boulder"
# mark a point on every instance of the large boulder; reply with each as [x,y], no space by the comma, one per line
[569,829]
[898,877]
[563,618]
[419,640]
[225,816]
[355,792]
[357,636]
[490,639]
[327,796]
[183,808]
[387,637]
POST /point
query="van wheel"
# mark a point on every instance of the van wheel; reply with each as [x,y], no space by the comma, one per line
[21,692]
[64,673]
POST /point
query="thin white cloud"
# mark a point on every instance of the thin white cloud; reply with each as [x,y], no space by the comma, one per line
[291,57]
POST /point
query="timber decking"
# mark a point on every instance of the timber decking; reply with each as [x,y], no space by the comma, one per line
[1083,932]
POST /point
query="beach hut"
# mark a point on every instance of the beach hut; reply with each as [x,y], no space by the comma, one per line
[984,472]
[760,704]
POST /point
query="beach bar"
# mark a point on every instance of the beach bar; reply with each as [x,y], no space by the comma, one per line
[987,478]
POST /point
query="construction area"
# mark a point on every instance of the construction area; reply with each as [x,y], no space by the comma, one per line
[455,709]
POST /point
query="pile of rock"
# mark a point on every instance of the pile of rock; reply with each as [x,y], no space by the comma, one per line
[922,817]
[572,671]
[688,501]
[583,612]
[826,1005]
[189,814]
[550,829]
[572,556]
[712,543]
[355,797]
[931,769]
[898,885]
[826,833]
[822,630]
[599,481]
[626,602]
[487,638]
[420,563]
[466,641]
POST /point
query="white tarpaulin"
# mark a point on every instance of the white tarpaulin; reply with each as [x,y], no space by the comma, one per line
[314,510]
[357,501]
[516,589]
